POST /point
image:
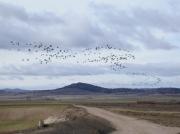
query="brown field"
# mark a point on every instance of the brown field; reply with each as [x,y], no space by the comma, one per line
[24,116]
[15,117]
[86,124]
[164,113]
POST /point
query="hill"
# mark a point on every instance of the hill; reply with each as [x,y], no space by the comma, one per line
[88,89]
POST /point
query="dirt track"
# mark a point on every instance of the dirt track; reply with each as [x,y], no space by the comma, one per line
[128,125]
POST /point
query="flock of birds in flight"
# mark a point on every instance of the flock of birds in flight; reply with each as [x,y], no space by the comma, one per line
[105,55]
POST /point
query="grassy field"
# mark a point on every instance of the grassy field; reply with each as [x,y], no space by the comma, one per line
[23,117]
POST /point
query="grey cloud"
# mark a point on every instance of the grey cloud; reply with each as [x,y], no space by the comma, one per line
[50,70]
[15,77]
[125,23]
[166,21]
[159,69]
[19,25]
[93,33]
[2,78]
[102,24]
[10,32]
[53,70]
[151,42]
[8,11]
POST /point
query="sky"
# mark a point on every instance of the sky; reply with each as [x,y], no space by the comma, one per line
[150,30]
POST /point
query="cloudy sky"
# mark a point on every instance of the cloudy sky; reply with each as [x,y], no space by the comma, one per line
[148,29]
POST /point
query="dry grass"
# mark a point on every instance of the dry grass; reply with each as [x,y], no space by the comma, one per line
[20,117]
[165,113]
[23,117]
[84,124]
[139,106]
[164,118]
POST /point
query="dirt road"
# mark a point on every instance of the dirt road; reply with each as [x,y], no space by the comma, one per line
[128,125]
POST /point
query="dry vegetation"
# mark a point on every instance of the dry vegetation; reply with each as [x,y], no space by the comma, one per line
[19,116]
[165,113]
[24,116]
[164,118]
[87,124]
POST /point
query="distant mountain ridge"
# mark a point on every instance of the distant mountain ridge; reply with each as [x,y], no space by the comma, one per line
[16,90]
[89,89]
